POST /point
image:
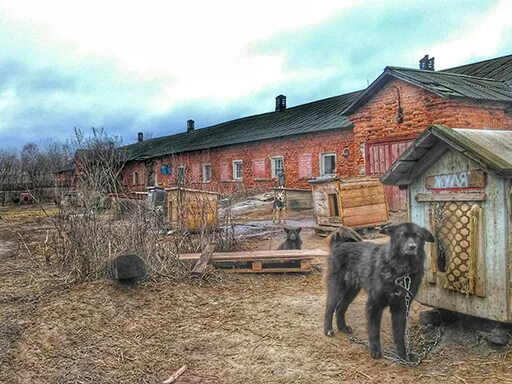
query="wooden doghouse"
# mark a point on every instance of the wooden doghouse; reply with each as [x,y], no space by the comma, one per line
[192,209]
[297,198]
[356,202]
[459,186]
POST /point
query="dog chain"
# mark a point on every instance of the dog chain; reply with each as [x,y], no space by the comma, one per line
[393,356]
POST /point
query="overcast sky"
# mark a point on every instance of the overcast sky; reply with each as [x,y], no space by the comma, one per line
[149,66]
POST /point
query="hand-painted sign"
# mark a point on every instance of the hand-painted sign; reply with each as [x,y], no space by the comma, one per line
[465,179]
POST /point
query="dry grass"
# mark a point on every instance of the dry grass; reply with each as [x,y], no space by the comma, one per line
[234,329]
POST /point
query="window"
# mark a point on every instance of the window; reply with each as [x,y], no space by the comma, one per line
[181,175]
[207,173]
[327,164]
[237,170]
[277,166]
[135,178]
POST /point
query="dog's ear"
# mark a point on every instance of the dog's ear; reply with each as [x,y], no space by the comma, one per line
[387,230]
[427,235]
[299,229]
[287,230]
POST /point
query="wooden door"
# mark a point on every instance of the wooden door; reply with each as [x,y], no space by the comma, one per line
[379,157]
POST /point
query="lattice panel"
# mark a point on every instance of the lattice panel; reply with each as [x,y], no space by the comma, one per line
[456,230]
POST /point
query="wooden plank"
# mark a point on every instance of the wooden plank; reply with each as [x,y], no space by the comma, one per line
[365,210]
[477,246]
[292,254]
[203,259]
[257,266]
[267,270]
[361,201]
[366,220]
[361,192]
[456,196]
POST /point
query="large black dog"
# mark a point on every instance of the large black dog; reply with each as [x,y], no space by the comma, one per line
[380,269]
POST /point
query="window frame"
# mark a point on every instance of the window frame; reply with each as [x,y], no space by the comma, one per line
[203,176]
[273,169]
[234,169]
[322,166]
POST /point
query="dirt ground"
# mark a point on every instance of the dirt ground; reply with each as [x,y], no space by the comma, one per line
[235,329]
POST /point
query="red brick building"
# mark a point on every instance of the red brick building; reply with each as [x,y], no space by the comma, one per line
[359,133]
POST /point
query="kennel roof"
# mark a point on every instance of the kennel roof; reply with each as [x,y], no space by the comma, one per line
[490,148]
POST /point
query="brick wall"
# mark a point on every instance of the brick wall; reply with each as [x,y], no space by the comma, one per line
[301,155]
[376,120]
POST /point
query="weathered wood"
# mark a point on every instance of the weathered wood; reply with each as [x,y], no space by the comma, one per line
[364,210]
[286,254]
[366,220]
[459,196]
[203,259]
[362,201]
[477,247]
[257,266]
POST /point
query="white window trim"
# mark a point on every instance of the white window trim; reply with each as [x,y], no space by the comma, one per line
[272,165]
[322,170]
[234,169]
[204,173]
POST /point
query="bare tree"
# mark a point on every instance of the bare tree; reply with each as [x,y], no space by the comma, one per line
[8,168]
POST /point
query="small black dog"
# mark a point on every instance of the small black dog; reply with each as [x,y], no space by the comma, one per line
[293,240]
[379,269]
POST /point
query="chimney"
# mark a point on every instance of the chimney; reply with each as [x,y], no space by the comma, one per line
[427,64]
[190,125]
[140,137]
[280,103]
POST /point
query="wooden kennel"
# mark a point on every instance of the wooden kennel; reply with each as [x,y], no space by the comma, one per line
[192,209]
[355,202]
[459,186]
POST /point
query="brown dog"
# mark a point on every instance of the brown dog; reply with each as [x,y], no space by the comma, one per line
[279,207]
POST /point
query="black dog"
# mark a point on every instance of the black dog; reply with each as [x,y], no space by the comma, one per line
[380,269]
[293,240]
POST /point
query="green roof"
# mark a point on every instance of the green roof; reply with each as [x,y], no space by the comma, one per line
[316,116]
[488,147]
[499,68]
[444,84]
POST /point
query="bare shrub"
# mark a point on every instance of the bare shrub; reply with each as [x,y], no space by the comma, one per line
[93,232]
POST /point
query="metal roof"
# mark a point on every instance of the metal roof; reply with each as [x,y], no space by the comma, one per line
[444,84]
[499,68]
[316,116]
[490,148]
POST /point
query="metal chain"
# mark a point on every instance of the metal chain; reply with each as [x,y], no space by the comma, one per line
[389,355]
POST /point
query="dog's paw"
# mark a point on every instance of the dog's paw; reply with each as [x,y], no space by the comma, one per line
[376,353]
[346,329]
[329,333]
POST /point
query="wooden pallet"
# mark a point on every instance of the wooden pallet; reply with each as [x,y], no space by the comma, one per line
[282,261]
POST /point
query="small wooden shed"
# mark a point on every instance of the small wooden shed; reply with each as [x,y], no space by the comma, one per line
[459,186]
[297,198]
[354,202]
[192,209]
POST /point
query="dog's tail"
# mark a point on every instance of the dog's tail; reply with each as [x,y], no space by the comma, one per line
[344,235]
